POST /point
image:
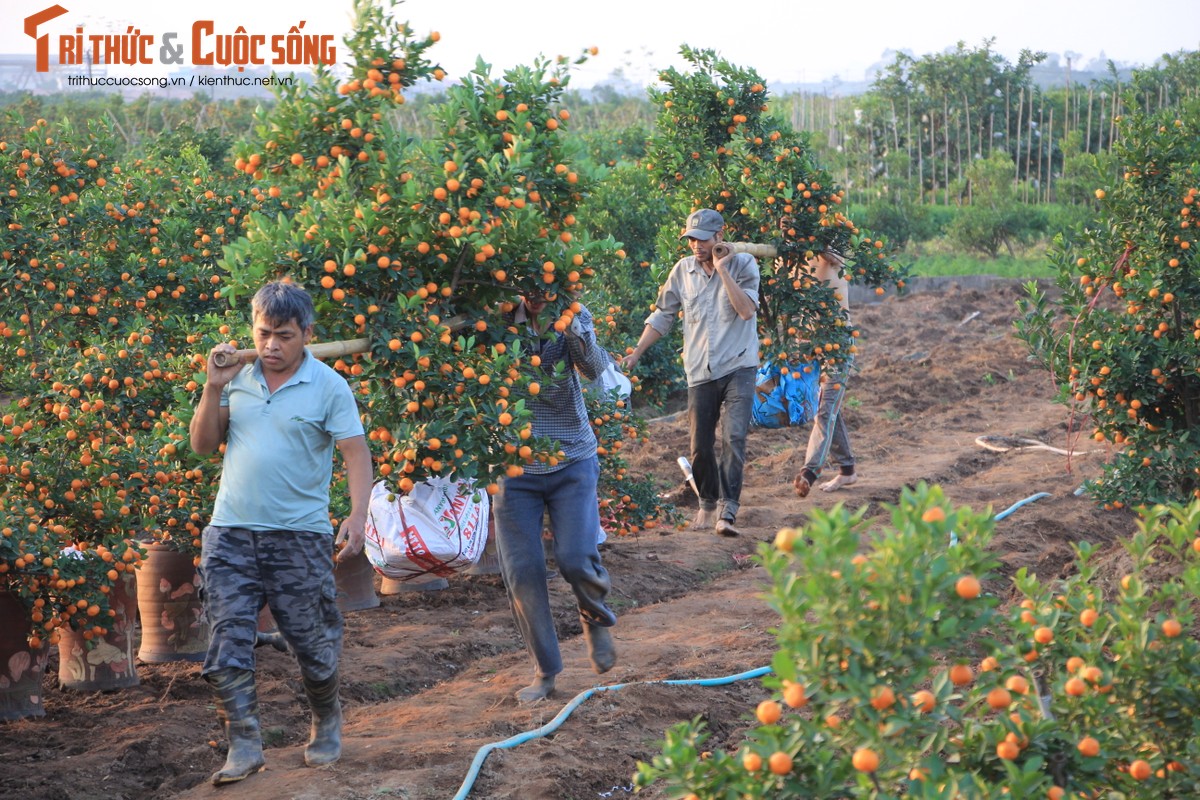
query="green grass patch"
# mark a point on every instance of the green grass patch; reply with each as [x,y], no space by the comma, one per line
[1005,266]
[940,257]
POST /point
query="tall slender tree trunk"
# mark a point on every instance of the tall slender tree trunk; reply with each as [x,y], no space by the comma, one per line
[1008,117]
[970,152]
[1041,151]
[1050,157]
[1016,151]
[895,128]
[908,143]
[870,156]
[1066,102]
[933,161]
[1028,151]
[1078,109]
[967,112]
[1112,117]
[946,154]
[1087,133]
[958,149]
[834,134]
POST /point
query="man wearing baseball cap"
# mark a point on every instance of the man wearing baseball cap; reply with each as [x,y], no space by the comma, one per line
[719,301]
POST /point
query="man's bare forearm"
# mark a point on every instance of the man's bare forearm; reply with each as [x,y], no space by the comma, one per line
[205,431]
[649,336]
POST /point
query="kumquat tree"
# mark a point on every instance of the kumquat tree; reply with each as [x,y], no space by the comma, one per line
[423,247]
[898,676]
[628,199]
[628,504]
[717,146]
[1122,342]
[97,318]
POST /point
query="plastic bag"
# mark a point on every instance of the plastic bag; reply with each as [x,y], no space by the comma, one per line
[439,527]
[610,379]
[785,396]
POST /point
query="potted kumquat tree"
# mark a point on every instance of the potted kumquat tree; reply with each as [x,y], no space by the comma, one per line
[94,317]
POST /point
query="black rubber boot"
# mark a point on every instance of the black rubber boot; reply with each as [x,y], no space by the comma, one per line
[325,742]
[601,650]
[237,709]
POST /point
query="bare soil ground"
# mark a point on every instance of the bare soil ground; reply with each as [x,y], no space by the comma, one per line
[429,677]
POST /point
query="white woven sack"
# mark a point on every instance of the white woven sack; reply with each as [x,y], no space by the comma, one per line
[439,527]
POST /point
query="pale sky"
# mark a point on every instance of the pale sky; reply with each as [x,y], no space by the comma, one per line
[784,40]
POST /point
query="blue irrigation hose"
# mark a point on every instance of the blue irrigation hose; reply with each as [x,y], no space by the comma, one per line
[1006,512]
[482,754]
[1020,503]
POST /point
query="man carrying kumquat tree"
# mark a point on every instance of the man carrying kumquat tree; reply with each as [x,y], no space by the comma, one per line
[719,301]
[566,488]
[270,538]
[829,439]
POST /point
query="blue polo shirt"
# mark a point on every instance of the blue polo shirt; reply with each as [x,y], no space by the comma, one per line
[279,448]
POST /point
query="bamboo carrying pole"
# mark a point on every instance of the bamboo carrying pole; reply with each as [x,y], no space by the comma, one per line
[320,350]
[757,250]
[334,349]
[337,349]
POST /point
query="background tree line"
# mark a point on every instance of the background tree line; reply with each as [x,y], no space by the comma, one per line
[961,148]
[939,112]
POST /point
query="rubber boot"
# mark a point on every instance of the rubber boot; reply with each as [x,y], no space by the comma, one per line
[601,650]
[273,638]
[325,742]
[237,709]
[541,688]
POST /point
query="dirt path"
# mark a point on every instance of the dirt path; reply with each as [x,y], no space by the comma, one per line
[430,677]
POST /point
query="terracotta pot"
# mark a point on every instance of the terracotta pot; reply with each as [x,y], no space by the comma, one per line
[355,584]
[107,663]
[168,599]
[21,667]
[425,583]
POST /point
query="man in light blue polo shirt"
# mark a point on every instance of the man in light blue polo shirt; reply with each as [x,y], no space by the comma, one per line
[719,301]
[270,539]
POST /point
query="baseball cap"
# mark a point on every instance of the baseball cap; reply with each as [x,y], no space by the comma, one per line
[832,255]
[703,224]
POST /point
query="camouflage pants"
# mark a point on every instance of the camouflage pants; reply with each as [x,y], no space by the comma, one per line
[290,571]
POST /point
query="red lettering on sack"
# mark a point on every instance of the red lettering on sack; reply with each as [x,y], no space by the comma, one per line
[418,553]
[372,532]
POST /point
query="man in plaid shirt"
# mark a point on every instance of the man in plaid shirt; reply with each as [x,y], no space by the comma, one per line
[567,490]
